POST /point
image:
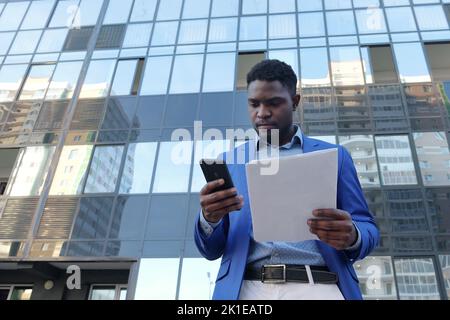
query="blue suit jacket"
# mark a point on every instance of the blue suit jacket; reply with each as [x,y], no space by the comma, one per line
[231,238]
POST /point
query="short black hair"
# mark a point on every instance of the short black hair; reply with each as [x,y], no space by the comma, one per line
[273,70]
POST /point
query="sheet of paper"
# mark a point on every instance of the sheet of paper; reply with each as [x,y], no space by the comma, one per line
[282,203]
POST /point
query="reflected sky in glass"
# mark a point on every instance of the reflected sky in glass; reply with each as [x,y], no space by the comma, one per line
[186,74]
[123,79]
[198,278]
[37,82]
[98,79]
[156,75]
[10,79]
[64,80]
[223,64]
[346,66]
[411,62]
[315,72]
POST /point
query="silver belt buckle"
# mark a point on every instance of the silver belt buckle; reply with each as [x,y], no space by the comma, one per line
[274,266]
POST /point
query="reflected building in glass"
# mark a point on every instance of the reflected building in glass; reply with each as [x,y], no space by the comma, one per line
[91,92]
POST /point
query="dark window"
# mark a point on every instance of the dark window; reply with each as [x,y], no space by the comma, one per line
[246,61]
[8,158]
[439,60]
[77,39]
[110,36]
[380,66]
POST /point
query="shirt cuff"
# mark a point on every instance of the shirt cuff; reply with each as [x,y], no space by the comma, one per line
[357,244]
[206,226]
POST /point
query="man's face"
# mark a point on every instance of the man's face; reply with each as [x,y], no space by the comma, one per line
[270,106]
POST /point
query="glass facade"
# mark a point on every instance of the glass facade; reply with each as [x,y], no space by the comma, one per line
[91,92]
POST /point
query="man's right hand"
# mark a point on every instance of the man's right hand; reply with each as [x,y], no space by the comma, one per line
[215,205]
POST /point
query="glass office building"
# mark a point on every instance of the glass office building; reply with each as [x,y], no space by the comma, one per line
[92,90]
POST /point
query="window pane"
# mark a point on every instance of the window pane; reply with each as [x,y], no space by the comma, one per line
[196,9]
[311,24]
[138,171]
[370,20]
[431,18]
[395,160]
[52,40]
[193,31]
[118,11]
[346,66]
[12,15]
[376,278]
[143,10]
[434,157]
[20,293]
[362,150]
[187,73]
[169,9]
[309,5]
[340,23]
[157,279]
[222,8]
[315,71]
[123,79]
[246,61]
[288,56]
[64,13]
[379,65]
[88,12]
[156,77]
[98,79]
[282,26]
[71,170]
[37,82]
[165,33]
[277,6]
[11,77]
[222,30]
[138,35]
[104,170]
[411,62]
[64,80]
[173,168]
[337,4]
[198,278]
[445,265]
[102,293]
[400,19]
[416,279]
[439,60]
[207,149]
[254,6]
[25,42]
[6,39]
[31,171]
[223,64]
[37,14]
[253,28]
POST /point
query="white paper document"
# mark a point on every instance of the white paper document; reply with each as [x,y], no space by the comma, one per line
[281,204]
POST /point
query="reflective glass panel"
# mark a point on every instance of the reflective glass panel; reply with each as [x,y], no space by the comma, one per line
[411,62]
[445,265]
[104,169]
[143,10]
[27,178]
[138,35]
[376,278]
[98,79]
[311,24]
[222,30]
[102,293]
[370,20]
[88,13]
[165,33]
[309,5]
[276,6]
[169,9]
[223,64]
[138,171]
[395,160]
[157,279]
[123,79]
[187,73]
[434,157]
[37,14]
[362,150]
[340,23]
[416,279]
[37,82]
[431,17]
[193,31]
[6,39]
[64,13]
[156,75]
[12,15]
[25,42]
[64,80]
[400,19]
[254,6]
[173,168]
[315,70]
[198,278]
[253,28]
[118,11]
[346,66]
[52,40]
[196,9]
[71,170]
[282,26]
[222,8]
[11,77]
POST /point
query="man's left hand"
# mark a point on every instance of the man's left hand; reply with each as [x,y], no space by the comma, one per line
[334,227]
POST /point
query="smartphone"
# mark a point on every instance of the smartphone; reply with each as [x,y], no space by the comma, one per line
[214,169]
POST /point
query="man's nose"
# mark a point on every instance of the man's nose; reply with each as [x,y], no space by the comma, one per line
[264,111]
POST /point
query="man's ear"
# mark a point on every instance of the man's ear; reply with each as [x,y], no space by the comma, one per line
[296,101]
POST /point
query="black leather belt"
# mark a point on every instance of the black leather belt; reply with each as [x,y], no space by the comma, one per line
[290,273]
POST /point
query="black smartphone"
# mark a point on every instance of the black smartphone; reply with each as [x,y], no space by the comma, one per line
[214,169]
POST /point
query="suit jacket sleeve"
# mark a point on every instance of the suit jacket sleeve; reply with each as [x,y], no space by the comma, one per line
[212,246]
[350,198]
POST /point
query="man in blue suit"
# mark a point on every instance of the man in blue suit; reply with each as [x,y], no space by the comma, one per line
[283,270]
